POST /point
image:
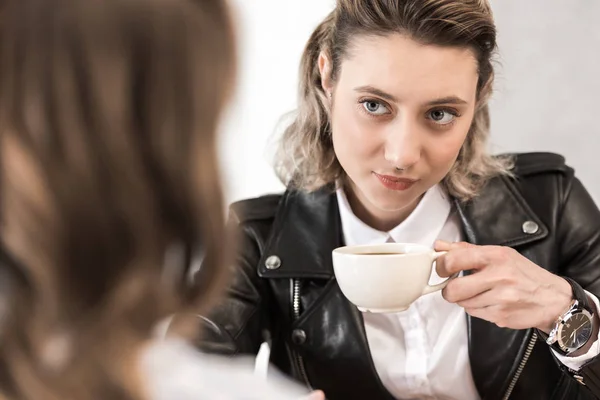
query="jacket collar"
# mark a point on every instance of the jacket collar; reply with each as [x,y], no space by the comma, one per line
[307,227]
[499,216]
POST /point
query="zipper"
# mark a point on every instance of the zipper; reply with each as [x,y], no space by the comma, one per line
[519,371]
[296,285]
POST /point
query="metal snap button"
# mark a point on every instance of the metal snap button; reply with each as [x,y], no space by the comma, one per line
[530,227]
[273,262]
[298,336]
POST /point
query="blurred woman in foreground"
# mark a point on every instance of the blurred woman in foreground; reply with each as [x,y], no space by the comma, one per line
[108,114]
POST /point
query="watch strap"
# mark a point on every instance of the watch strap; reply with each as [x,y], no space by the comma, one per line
[579,294]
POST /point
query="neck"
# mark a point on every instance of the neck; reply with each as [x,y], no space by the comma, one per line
[382,220]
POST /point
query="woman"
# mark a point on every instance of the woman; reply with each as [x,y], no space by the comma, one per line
[108,114]
[389,145]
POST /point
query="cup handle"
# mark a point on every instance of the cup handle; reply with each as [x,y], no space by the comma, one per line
[430,289]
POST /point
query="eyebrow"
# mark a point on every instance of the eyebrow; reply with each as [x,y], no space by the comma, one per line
[376,92]
[380,93]
[447,100]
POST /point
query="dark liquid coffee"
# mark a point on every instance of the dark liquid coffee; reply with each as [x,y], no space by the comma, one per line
[381,254]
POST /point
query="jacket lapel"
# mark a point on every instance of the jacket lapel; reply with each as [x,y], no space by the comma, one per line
[497,217]
[306,229]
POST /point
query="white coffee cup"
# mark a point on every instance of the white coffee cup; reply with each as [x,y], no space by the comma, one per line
[387,277]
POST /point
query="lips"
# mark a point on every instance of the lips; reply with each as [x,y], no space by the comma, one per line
[394,182]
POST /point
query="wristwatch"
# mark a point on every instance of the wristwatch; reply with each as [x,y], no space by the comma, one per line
[574,328]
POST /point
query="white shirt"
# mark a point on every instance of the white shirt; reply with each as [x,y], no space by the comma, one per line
[422,353]
[174,370]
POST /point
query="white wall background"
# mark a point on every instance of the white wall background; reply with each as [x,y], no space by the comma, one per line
[546,99]
[272,35]
[548,85]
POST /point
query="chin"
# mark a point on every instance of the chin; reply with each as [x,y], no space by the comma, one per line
[393,201]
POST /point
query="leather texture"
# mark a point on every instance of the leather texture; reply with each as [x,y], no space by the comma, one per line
[302,229]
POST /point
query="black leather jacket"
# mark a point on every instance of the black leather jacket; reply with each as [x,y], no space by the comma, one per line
[318,337]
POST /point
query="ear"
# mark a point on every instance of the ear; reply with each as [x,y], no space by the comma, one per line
[325,71]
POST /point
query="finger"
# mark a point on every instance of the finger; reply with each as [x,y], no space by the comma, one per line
[499,315]
[485,313]
[463,258]
[316,395]
[467,287]
[508,297]
[482,300]
[442,245]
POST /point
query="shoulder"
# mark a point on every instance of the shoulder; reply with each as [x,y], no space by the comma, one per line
[542,174]
[255,209]
[543,180]
[530,164]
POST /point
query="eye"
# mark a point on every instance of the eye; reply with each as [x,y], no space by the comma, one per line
[374,107]
[442,117]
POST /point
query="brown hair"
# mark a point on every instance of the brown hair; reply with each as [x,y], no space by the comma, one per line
[306,158]
[108,113]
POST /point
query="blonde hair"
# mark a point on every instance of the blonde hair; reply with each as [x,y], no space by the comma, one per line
[108,114]
[306,159]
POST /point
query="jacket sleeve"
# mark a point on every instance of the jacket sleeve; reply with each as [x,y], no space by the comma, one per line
[579,241]
[238,323]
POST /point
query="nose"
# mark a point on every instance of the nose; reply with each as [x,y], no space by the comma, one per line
[403,144]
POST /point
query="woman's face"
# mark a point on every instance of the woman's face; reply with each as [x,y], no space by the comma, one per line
[400,112]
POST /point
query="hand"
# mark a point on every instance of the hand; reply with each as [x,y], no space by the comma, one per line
[316,395]
[505,288]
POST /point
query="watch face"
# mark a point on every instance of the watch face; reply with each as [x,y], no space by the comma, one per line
[576,331]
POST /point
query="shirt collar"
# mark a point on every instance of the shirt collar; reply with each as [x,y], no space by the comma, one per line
[422,226]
